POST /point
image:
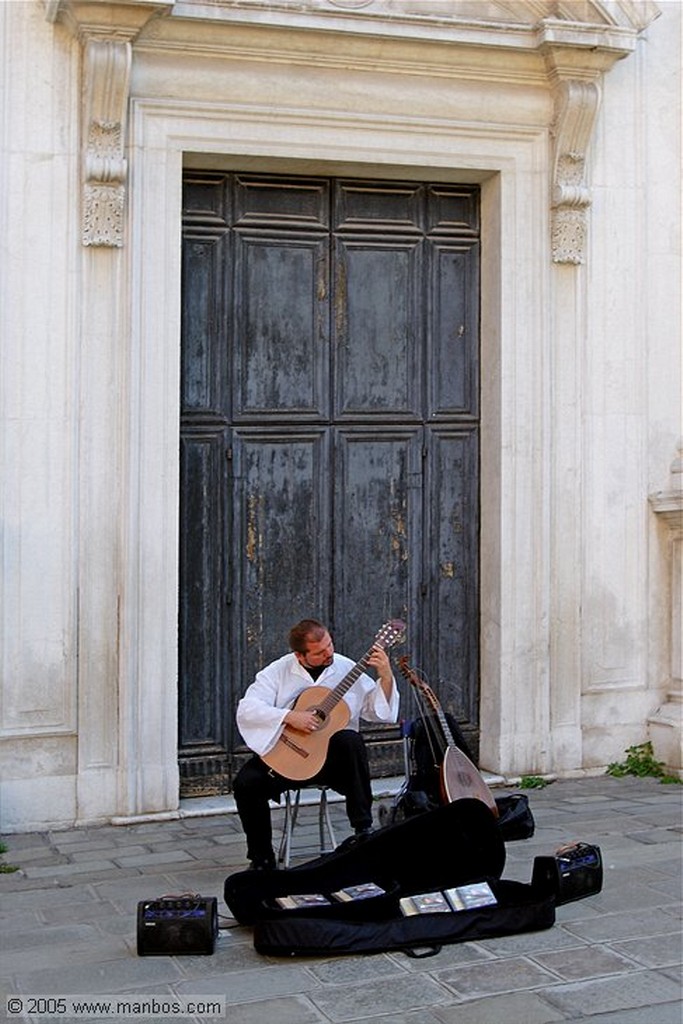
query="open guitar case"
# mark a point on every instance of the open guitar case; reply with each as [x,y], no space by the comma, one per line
[452,845]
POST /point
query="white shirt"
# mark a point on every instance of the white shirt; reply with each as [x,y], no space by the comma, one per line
[262,709]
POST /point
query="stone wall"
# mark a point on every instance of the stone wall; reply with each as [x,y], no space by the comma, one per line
[574,135]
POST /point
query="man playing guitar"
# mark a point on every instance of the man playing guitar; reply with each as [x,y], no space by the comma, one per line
[301,717]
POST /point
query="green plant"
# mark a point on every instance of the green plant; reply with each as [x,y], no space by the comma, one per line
[533,782]
[6,869]
[640,761]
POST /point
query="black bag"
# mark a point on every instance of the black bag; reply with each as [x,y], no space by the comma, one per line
[515,819]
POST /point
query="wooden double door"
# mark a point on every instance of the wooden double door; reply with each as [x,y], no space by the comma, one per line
[329,440]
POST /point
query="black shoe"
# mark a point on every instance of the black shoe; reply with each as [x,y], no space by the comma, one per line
[363,833]
[263,864]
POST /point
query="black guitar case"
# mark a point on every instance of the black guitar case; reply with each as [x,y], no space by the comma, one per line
[449,846]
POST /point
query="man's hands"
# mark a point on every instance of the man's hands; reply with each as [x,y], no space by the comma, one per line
[303,721]
[379,660]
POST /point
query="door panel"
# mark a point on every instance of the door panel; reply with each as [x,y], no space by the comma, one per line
[452,568]
[377,527]
[282,573]
[285,202]
[377,329]
[203,368]
[379,206]
[329,446]
[204,485]
[453,330]
[281,295]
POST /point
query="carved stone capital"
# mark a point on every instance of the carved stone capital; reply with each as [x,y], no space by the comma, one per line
[576,107]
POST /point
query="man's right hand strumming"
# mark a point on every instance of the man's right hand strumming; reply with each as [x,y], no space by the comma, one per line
[302,721]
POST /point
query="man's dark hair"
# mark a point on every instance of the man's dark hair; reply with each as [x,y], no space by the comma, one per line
[307,629]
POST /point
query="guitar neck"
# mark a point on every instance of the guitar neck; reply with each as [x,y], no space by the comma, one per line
[345,684]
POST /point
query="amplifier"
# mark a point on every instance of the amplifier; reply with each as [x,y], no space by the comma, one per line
[572,874]
[176,925]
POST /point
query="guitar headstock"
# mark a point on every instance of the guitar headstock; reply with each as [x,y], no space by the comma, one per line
[391,633]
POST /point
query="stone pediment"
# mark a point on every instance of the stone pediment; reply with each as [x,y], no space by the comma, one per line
[628,14]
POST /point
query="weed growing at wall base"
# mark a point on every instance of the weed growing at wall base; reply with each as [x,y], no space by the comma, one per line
[6,869]
[640,761]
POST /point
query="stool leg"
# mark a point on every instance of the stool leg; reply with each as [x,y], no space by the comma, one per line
[286,837]
[291,814]
[324,820]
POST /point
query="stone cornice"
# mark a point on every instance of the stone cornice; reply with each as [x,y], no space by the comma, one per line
[532,41]
[668,506]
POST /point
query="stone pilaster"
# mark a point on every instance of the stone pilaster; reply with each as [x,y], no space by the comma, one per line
[666,723]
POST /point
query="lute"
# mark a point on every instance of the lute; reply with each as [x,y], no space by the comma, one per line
[298,755]
[458,777]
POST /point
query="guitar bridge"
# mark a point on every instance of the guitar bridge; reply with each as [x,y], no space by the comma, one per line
[293,746]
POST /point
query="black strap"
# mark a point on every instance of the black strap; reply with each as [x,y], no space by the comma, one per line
[426,951]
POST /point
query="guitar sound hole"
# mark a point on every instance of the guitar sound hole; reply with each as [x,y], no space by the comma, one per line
[319,714]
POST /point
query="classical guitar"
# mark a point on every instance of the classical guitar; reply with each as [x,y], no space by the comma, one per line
[458,777]
[298,755]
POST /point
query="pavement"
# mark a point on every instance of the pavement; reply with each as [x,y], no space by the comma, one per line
[69,927]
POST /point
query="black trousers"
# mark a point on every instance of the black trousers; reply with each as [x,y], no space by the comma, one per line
[346,770]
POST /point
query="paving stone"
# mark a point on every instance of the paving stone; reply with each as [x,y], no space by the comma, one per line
[508,975]
[264,982]
[665,1013]
[43,957]
[153,859]
[106,976]
[388,996]
[349,970]
[645,989]
[71,848]
[229,955]
[656,835]
[18,940]
[526,942]
[633,896]
[621,926]
[78,911]
[656,951]
[289,1010]
[57,870]
[512,1008]
[585,962]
